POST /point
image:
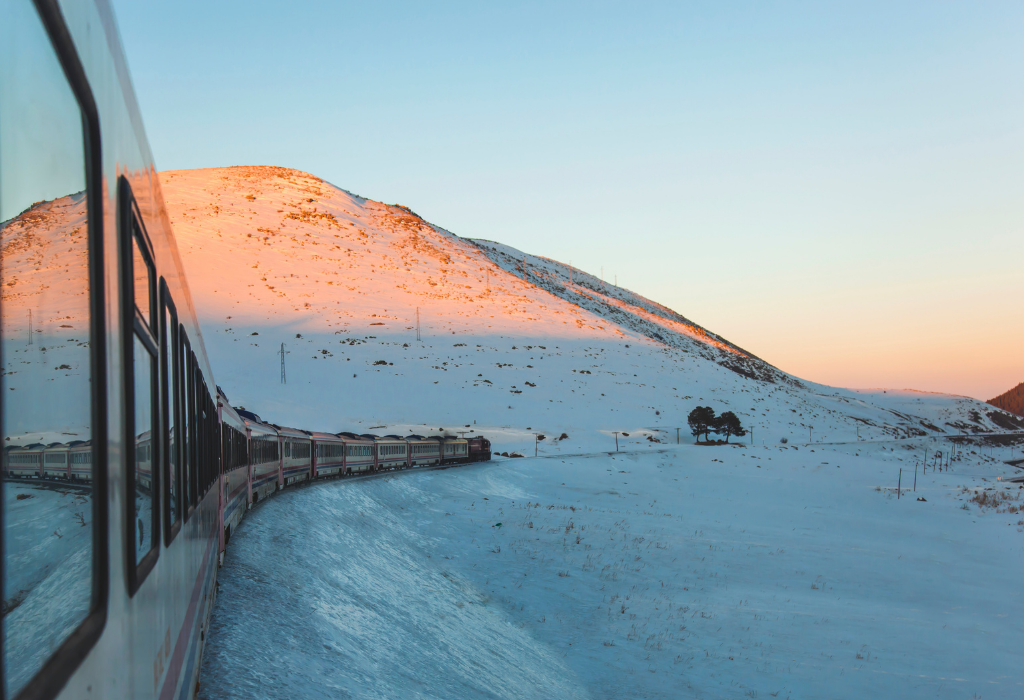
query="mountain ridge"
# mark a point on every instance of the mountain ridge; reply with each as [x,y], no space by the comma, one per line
[1011,400]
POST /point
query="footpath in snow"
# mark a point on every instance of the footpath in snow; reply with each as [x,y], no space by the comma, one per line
[675,572]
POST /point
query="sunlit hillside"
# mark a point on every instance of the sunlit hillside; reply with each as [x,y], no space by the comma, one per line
[508,341]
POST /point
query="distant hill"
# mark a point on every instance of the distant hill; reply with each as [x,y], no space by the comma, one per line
[1012,400]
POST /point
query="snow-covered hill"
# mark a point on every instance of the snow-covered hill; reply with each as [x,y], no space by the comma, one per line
[511,344]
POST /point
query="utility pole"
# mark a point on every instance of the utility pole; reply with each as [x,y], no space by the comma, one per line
[616,440]
[536,442]
[810,434]
[677,436]
[282,352]
[417,324]
[616,280]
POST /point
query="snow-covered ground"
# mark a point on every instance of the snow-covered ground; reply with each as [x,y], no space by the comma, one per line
[759,570]
[47,570]
[678,572]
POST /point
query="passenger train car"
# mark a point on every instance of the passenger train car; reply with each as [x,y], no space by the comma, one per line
[110,415]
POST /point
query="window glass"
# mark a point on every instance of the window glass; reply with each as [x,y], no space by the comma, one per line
[145,363]
[45,348]
[171,381]
[143,275]
[185,397]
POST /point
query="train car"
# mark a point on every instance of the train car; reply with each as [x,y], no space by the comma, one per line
[55,461]
[454,450]
[264,458]
[423,451]
[479,449]
[137,390]
[359,453]
[234,475]
[392,452]
[328,455]
[80,460]
[297,462]
[25,461]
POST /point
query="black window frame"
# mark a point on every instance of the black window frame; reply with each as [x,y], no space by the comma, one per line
[53,675]
[170,404]
[132,229]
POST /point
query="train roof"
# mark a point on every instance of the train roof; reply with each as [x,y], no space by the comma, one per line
[323,436]
[248,415]
[259,427]
[290,432]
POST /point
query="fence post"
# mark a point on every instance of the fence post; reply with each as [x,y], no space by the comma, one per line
[899,485]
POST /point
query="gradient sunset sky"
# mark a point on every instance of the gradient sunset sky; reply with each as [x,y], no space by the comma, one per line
[839,190]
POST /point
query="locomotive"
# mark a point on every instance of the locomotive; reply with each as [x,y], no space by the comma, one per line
[108,409]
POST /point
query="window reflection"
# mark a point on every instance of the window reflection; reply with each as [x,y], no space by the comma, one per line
[170,336]
[45,417]
[143,282]
[144,365]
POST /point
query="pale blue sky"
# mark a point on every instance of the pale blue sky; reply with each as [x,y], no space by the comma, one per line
[839,190]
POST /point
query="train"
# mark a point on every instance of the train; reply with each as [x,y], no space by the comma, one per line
[110,416]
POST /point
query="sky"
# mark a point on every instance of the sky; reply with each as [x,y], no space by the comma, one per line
[836,188]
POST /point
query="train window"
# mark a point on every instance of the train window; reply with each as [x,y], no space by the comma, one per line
[200,463]
[143,282]
[54,507]
[142,372]
[169,382]
[185,398]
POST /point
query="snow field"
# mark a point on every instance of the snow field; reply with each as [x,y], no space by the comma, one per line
[680,572]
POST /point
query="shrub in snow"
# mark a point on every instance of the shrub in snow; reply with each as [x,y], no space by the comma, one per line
[784,440]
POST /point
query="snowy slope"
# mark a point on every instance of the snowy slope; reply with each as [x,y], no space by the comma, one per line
[45,330]
[683,572]
[509,343]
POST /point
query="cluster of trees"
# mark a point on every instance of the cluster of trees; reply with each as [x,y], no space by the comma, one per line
[703,421]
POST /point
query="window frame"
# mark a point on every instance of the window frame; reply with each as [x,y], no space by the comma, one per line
[54,673]
[170,405]
[132,230]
